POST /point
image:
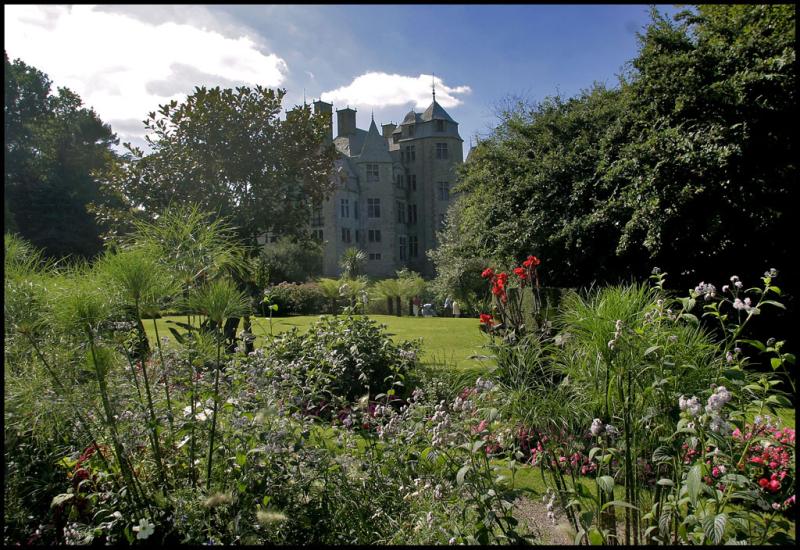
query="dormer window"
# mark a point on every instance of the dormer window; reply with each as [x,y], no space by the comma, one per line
[440,125]
[395,138]
[373,174]
[410,131]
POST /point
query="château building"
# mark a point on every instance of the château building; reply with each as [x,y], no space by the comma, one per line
[393,190]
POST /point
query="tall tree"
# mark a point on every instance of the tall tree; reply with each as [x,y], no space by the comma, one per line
[229,152]
[52,147]
[688,165]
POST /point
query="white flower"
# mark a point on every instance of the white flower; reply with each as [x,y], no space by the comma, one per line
[144,529]
[611,430]
[597,427]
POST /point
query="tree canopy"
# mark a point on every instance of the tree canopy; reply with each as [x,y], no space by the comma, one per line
[687,165]
[227,151]
[52,147]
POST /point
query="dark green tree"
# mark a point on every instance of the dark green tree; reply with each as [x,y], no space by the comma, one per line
[229,152]
[53,146]
[687,165]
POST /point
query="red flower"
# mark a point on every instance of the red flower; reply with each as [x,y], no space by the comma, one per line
[521,272]
[532,261]
[763,482]
[486,319]
[774,485]
[488,272]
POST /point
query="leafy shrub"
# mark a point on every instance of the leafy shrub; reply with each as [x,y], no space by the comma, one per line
[296,298]
[347,356]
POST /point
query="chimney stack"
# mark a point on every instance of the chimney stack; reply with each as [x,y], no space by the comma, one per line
[326,109]
[346,121]
[388,129]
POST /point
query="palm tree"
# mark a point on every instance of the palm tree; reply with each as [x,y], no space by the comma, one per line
[352,261]
[387,289]
[330,289]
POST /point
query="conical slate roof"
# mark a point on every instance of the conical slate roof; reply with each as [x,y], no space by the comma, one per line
[435,111]
[410,118]
[375,148]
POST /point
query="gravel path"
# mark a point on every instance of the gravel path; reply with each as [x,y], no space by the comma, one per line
[534,513]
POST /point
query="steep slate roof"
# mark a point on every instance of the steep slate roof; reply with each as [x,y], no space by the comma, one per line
[374,148]
[410,118]
[435,111]
[351,144]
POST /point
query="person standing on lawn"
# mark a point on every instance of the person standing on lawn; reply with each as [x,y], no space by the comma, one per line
[456,309]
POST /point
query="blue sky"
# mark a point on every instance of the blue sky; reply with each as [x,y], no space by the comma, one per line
[126,60]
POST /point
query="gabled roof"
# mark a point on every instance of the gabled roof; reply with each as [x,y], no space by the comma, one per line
[375,148]
[435,111]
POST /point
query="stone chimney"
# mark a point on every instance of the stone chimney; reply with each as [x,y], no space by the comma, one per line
[388,129]
[326,109]
[346,121]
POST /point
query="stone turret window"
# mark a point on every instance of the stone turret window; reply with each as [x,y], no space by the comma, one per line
[440,125]
[373,173]
[373,208]
[412,213]
[444,191]
[401,212]
[410,131]
[316,217]
[441,151]
[413,246]
[412,182]
[346,235]
[345,208]
[410,155]
[395,138]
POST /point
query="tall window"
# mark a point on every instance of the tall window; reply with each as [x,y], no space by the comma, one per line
[316,216]
[441,151]
[440,125]
[400,181]
[346,235]
[411,154]
[373,174]
[355,209]
[412,181]
[358,236]
[401,212]
[395,138]
[373,208]
[374,235]
[412,213]
[413,246]
[402,243]
[444,191]
[410,131]
[316,234]
[345,208]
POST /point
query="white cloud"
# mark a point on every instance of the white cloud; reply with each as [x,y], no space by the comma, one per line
[125,66]
[381,89]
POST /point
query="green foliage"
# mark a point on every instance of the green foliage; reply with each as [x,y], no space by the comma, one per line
[52,147]
[687,165]
[228,151]
[295,298]
[345,356]
[352,262]
[292,261]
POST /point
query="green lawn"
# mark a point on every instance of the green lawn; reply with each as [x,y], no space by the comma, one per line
[445,341]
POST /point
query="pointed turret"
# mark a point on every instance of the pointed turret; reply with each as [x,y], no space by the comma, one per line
[435,112]
[374,149]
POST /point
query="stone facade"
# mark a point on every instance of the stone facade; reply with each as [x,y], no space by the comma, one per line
[393,190]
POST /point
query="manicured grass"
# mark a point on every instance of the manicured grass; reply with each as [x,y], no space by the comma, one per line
[445,341]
